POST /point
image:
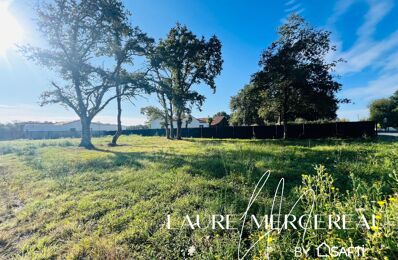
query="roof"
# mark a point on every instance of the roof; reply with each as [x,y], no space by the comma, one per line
[217,120]
[203,120]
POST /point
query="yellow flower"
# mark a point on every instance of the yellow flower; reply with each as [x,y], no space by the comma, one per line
[269,240]
[374,228]
[392,199]
[332,188]
[378,217]
[381,202]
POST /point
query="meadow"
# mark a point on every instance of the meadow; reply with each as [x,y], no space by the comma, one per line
[61,201]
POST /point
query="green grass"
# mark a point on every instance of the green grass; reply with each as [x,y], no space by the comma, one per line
[58,200]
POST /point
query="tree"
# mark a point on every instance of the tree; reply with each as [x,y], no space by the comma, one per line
[384,111]
[153,113]
[124,44]
[186,61]
[245,107]
[188,120]
[162,86]
[296,79]
[394,99]
[75,32]
[209,121]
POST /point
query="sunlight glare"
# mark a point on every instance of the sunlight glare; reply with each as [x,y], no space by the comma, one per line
[11,32]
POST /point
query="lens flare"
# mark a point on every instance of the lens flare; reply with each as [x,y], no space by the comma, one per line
[11,32]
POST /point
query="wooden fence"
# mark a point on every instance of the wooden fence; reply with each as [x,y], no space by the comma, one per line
[324,130]
[309,130]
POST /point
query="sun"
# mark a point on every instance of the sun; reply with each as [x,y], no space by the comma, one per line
[11,32]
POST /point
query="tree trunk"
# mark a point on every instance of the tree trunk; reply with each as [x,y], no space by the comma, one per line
[119,118]
[179,124]
[171,122]
[86,133]
[167,129]
[284,113]
[284,128]
[166,124]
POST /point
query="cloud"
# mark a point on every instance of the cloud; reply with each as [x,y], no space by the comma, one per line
[292,6]
[365,52]
[291,2]
[378,9]
[340,8]
[383,86]
[390,64]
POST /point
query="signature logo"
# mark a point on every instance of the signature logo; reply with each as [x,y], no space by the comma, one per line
[279,222]
[326,251]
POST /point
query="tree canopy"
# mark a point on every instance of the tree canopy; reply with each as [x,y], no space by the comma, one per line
[76,33]
[384,111]
[245,106]
[182,61]
[295,80]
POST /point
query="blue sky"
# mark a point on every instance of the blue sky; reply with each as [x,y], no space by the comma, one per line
[365,32]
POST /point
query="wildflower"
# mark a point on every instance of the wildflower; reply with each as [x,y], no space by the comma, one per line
[392,199]
[269,240]
[381,202]
[378,217]
[374,228]
[191,250]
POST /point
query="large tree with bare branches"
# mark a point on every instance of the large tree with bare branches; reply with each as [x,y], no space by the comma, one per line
[76,32]
[125,44]
[182,61]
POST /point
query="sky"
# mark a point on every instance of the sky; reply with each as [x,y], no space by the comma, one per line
[364,31]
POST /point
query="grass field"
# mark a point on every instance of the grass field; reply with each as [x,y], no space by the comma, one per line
[61,201]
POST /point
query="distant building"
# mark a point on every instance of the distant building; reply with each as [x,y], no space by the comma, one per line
[195,123]
[74,126]
[219,121]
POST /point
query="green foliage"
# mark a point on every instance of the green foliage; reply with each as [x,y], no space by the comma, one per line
[182,61]
[79,34]
[245,107]
[295,80]
[385,111]
[153,113]
[60,201]
[222,113]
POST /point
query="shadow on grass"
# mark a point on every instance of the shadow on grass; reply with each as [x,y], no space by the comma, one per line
[249,164]
[244,165]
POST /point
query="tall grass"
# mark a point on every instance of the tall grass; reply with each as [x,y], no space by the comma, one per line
[59,200]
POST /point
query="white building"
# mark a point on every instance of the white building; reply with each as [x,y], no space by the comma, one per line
[66,126]
[195,123]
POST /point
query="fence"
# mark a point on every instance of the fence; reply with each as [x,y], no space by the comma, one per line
[324,130]
[337,129]
[58,134]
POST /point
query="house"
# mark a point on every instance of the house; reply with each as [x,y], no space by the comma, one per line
[73,126]
[195,123]
[219,121]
